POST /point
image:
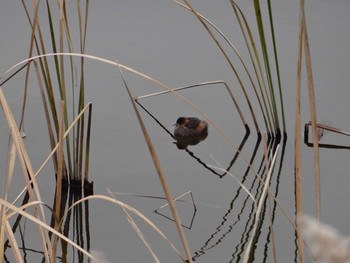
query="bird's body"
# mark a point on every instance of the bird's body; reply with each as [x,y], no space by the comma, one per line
[190,131]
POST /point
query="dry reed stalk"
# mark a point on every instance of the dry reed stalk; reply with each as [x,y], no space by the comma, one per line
[297,145]
[47,116]
[31,46]
[14,246]
[87,153]
[27,172]
[160,172]
[11,159]
[312,105]
[59,177]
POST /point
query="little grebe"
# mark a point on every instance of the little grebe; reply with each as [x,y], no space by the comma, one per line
[190,131]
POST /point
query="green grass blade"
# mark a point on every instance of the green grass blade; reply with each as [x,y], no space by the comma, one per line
[266,59]
[277,66]
[254,56]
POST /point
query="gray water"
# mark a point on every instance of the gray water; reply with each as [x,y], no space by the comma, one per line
[167,42]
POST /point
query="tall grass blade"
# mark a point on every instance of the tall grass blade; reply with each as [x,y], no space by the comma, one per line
[27,170]
[59,176]
[312,105]
[53,42]
[11,159]
[87,149]
[266,59]
[12,239]
[47,116]
[297,157]
[277,66]
[160,173]
[253,53]
[31,46]
[44,69]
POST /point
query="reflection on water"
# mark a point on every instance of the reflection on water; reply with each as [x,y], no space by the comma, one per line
[247,212]
[183,143]
[74,225]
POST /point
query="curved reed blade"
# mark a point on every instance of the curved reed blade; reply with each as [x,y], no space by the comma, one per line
[47,116]
[12,239]
[277,66]
[160,173]
[266,59]
[230,63]
[312,105]
[27,169]
[40,223]
[11,159]
[132,210]
[254,56]
[40,48]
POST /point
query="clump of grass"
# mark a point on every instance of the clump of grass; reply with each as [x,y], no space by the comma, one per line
[76,155]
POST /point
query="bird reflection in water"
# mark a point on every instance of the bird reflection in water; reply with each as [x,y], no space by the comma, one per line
[189,131]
